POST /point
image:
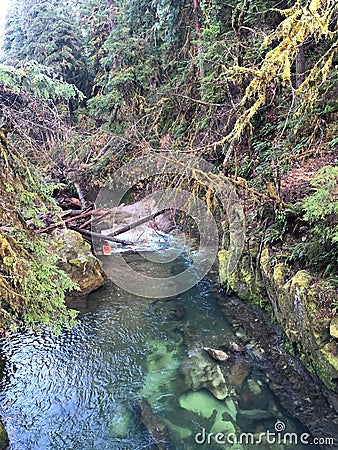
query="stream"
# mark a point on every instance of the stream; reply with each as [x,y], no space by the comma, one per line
[84,389]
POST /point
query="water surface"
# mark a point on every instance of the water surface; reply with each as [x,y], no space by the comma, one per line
[81,390]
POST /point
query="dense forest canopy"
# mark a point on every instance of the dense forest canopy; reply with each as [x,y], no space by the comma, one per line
[249,85]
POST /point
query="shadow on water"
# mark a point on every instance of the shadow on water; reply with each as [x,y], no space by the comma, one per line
[132,362]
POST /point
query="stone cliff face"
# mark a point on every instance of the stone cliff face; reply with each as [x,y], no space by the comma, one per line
[298,302]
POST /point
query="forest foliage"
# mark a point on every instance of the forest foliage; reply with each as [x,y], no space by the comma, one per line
[251,86]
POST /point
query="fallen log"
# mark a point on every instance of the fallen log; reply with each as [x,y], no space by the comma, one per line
[101,236]
[137,223]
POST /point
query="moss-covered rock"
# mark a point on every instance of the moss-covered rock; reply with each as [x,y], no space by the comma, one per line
[77,260]
[297,303]
[245,280]
[334,327]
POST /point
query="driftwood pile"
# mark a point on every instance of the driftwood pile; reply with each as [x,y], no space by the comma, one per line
[84,220]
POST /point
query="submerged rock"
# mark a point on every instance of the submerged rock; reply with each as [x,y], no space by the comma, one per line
[177,431]
[77,260]
[236,348]
[201,371]
[205,405]
[156,427]
[220,413]
[217,355]
[120,422]
[239,373]
[162,366]
[248,419]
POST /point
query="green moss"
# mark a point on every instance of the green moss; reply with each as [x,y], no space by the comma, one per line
[76,262]
[222,260]
[334,327]
[325,365]
[279,274]
[265,259]
[302,308]
[301,280]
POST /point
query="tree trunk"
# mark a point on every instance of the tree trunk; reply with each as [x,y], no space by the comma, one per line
[198,38]
[300,66]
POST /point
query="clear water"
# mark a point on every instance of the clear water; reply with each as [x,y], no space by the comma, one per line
[81,390]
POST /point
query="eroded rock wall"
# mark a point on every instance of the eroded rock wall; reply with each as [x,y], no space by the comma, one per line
[298,302]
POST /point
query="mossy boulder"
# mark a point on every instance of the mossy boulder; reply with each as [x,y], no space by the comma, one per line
[245,280]
[298,306]
[77,260]
[334,327]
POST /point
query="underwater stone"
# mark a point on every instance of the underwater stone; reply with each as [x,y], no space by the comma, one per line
[254,387]
[200,403]
[120,422]
[201,371]
[239,372]
[177,431]
[162,365]
[205,405]
[221,426]
[218,355]
[248,419]
[157,429]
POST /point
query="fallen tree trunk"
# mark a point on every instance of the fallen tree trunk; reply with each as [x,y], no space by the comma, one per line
[137,223]
[100,236]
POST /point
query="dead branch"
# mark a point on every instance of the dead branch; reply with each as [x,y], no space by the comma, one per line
[100,236]
[71,219]
[137,223]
